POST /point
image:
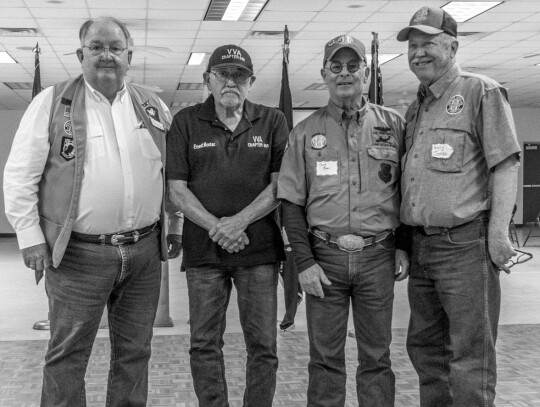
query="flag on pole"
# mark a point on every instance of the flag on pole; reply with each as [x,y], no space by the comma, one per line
[285,98]
[37,76]
[375,94]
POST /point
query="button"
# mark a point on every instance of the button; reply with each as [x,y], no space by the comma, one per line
[426,109]
[412,179]
[354,209]
[421,132]
[354,182]
[413,205]
[416,156]
[353,159]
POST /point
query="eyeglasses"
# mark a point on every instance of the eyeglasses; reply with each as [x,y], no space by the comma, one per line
[520,259]
[337,67]
[237,76]
[98,50]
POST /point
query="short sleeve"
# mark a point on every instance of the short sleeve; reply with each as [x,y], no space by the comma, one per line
[292,175]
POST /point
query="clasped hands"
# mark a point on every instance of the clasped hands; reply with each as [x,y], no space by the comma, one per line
[229,233]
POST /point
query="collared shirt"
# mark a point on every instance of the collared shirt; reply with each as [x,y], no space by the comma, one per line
[122,185]
[226,171]
[345,175]
[458,130]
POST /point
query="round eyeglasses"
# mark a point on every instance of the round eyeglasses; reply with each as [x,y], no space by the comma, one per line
[98,50]
[237,76]
[337,67]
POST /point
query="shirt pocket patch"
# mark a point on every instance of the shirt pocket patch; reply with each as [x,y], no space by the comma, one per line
[323,170]
[383,167]
[445,150]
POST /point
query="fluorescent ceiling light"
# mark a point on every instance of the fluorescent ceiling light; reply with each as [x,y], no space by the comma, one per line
[196,58]
[5,58]
[465,10]
[383,58]
[234,10]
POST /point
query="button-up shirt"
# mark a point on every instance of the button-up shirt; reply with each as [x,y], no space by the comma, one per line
[345,172]
[458,130]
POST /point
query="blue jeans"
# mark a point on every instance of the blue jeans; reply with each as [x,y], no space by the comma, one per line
[454,295]
[125,278]
[209,290]
[365,279]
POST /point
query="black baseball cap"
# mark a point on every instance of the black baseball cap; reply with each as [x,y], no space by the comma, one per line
[430,20]
[230,55]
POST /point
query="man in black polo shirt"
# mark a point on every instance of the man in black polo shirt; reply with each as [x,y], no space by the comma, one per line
[223,159]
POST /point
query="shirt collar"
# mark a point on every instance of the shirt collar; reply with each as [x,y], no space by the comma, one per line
[337,112]
[444,82]
[251,111]
[98,96]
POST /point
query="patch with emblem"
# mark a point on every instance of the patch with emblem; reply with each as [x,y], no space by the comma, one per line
[67,149]
[67,111]
[383,135]
[318,141]
[421,15]
[67,128]
[455,104]
[385,172]
[152,112]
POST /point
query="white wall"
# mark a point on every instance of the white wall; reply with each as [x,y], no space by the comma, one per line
[527,125]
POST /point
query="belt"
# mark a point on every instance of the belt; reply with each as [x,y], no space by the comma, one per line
[132,236]
[351,242]
[437,230]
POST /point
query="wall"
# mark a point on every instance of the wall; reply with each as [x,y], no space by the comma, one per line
[9,120]
[527,125]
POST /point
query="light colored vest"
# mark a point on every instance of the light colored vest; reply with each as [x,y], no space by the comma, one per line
[60,185]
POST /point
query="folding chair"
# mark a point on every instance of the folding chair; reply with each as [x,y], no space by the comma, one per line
[536,223]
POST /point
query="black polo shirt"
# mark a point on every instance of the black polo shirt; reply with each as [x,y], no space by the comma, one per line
[226,171]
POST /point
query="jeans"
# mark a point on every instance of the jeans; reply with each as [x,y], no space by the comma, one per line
[125,278]
[209,290]
[365,279]
[454,295]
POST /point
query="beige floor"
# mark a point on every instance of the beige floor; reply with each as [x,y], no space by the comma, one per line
[24,303]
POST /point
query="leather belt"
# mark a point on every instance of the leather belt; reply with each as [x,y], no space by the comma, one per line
[351,242]
[132,236]
[437,230]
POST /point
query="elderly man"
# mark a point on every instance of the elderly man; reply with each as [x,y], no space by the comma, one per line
[459,185]
[84,189]
[223,160]
[340,180]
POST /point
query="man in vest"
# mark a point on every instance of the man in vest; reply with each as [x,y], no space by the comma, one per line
[83,190]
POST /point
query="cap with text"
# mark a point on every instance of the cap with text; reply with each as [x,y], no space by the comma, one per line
[230,55]
[430,20]
[343,41]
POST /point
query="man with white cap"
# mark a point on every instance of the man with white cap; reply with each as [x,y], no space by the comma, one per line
[339,186]
[458,188]
[223,159]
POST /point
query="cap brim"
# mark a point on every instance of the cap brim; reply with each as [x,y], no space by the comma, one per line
[226,64]
[403,35]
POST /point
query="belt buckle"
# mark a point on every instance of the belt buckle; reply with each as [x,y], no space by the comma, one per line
[114,240]
[351,243]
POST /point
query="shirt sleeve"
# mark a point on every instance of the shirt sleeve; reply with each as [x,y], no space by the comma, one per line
[292,176]
[177,151]
[24,169]
[495,125]
[279,140]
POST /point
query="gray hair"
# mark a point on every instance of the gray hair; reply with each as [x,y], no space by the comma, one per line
[89,23]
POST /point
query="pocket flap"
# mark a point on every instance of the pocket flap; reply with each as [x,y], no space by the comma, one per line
[383,153]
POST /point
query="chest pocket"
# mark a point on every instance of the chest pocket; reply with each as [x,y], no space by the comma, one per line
[148,146]
[95,146]
[323,170]
[383,167]
[446,149]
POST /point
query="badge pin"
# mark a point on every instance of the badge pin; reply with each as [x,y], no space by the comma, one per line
[67,128]
[67,149]
[318,141]
[455,104]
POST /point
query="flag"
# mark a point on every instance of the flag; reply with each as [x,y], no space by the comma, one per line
[37,76]
[375,94]
[285,98]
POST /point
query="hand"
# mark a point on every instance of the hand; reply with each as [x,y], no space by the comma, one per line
[500,250]
[174,244]
[229,233]
[311,278]
[402,265]
[37,258]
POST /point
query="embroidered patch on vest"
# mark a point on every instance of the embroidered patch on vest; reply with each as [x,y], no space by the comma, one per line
[385,173]
[455,104]
[318,141]
[67,149]
[67,128]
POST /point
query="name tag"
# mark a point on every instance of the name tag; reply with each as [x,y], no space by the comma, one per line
[441,151]
[326,168]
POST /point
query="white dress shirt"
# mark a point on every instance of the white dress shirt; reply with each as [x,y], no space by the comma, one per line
[122,185]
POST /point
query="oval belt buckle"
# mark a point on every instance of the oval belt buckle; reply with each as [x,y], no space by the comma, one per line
[351,243]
